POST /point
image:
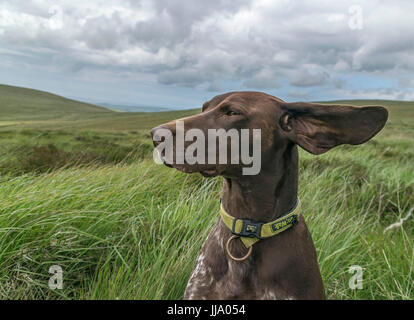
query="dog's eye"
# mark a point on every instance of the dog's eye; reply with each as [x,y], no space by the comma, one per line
[232,113]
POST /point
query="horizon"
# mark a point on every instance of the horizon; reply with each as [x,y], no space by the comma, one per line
[122,107]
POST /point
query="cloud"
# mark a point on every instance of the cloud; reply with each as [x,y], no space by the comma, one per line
[300,95]
[381,93]
[304,78]
[264,79]
[261,44]
[405,82]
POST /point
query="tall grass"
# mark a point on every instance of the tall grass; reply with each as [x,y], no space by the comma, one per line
[132,231]
[117,232]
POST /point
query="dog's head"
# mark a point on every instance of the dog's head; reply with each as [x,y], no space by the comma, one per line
[269,125]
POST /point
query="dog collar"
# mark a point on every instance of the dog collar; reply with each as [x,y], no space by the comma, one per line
[250,232]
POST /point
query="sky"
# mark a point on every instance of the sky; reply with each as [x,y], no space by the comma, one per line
[179,54]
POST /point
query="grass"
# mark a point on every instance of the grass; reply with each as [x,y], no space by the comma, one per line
[85,195]
[110,219]
[42,150]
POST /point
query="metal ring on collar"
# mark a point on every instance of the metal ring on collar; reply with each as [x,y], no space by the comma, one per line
[233,257]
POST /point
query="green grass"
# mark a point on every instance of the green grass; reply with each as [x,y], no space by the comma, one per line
[85,195]
[117,232]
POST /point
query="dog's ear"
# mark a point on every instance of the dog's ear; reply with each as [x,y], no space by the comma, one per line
[318,128]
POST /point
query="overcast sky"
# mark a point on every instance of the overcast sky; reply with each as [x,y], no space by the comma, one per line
[181,53]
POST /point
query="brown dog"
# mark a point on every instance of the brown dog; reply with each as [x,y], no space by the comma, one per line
[282,266]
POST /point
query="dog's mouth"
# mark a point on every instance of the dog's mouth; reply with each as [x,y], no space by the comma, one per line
[207,173]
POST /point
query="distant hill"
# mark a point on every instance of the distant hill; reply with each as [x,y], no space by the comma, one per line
[18,103]
[371,102]
[134,108]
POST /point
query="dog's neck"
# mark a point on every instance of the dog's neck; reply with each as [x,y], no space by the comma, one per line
[268,195]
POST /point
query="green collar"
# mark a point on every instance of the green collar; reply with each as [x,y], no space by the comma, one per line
[250,232]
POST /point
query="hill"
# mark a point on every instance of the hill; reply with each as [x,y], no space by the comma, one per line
[18,103]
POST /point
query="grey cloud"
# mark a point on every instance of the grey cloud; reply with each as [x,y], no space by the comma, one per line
[103,32]
[264,79]
[299,95]
[387,93]
[405,82]
[184,77]
[303,78]
[260,44]
[214,86]
[339,83]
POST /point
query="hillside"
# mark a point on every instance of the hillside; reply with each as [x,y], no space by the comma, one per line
[18,104]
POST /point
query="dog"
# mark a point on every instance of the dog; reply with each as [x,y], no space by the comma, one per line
[236,260]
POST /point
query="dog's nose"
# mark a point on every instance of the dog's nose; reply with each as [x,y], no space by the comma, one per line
[156,138]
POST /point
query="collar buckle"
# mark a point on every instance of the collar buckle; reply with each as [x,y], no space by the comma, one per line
[249,229]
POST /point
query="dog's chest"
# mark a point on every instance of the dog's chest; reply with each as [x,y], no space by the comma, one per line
[215,276]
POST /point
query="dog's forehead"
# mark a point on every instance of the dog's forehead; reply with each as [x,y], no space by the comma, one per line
[248,99]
